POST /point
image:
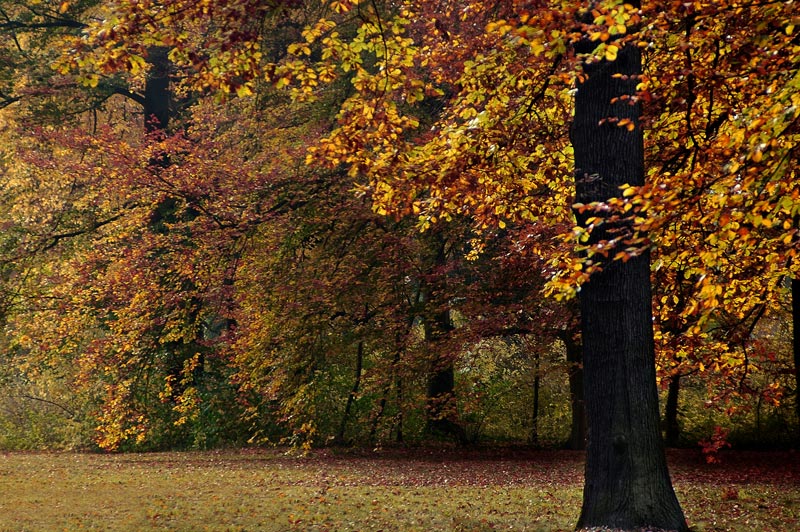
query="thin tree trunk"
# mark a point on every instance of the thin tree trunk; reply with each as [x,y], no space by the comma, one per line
[399,387]
[534,437]
[351,397]
[376,419]
[373,432]
[577,435]
[759,402]
[673,428]
[627,484]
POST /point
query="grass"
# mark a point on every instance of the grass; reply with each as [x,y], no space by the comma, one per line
[391,491]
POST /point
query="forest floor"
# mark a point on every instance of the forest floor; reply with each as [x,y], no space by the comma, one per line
[394,490]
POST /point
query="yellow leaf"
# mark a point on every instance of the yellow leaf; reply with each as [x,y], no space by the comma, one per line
[136,64]
[243,90]
[611,52]
[63,8]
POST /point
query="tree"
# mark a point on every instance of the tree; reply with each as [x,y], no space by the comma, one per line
[627,482]
[124,238]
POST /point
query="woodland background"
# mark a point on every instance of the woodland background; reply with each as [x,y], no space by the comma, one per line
[317,223]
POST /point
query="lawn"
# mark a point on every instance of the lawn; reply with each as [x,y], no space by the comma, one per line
[405,490]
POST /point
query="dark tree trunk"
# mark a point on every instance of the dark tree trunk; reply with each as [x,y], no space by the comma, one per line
[577,434]
[376,419]
[441,396]
[157,94]
[399,438]
[157,111]
[796,348]
[441,402]
[673,429]
[156,108]
[393,379]
[534,437]
[627,484]
[351,397]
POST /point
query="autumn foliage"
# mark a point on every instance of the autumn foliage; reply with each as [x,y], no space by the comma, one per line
[359,225]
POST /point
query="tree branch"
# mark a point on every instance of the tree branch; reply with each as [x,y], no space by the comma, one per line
[54,23]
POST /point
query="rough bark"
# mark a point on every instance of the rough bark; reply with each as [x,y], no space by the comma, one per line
[627,485]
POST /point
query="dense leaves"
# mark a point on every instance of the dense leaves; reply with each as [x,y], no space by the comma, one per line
[254,269]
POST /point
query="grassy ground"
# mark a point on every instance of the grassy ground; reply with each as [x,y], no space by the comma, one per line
[393,491]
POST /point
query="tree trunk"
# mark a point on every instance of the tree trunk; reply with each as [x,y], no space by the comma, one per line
[157,94]
[376,419]
[351,397]
[399,438]
[440,407]
[673,429]
[441,402]
[392,379]
[796,348]
[157,111]
[577,434]
[534,437]
[627,484]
